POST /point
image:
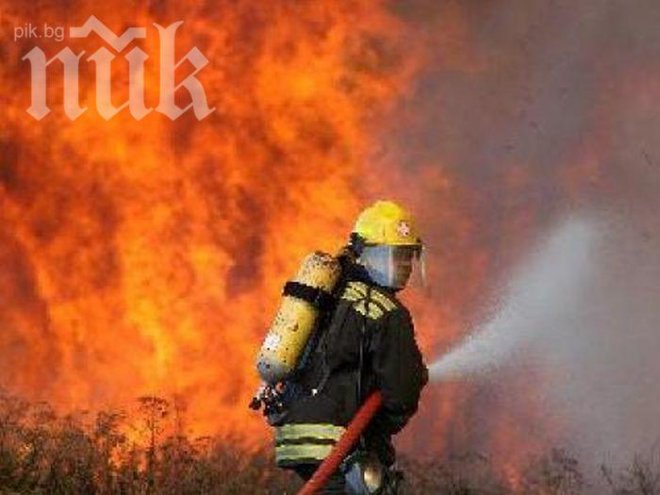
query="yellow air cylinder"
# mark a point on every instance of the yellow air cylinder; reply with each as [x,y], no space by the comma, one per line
[296,317]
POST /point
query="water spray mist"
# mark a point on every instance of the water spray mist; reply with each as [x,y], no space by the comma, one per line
[540,292]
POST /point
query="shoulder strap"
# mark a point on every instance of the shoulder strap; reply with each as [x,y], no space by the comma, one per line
[322,345]
[364,338]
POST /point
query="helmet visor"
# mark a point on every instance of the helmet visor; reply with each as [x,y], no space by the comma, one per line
[393,266]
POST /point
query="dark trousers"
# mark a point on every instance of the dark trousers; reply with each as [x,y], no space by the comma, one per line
[336,484]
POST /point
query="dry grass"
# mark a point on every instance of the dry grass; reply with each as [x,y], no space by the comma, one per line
[110,453]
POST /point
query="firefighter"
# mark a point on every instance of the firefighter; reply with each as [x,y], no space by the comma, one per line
[365,342]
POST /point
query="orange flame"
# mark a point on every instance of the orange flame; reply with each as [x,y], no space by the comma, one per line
[146,257]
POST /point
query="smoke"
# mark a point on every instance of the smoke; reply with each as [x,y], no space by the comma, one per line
[544,292]
[602,357]
[583,310]
[532,113]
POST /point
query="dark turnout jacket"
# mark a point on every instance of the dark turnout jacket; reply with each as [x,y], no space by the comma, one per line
[366,342]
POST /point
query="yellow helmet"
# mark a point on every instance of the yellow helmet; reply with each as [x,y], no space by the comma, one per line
[387,244]
[388,223]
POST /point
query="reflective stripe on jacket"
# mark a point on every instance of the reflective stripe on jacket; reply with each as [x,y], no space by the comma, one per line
[305,443]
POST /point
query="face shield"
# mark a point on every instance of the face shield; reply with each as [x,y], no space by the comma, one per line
[394,266]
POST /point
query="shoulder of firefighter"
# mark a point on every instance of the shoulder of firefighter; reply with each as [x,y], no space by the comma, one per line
[367,343]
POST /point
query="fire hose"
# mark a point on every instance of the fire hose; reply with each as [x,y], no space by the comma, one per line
[343,445]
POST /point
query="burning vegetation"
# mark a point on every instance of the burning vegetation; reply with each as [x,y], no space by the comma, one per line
[144,451]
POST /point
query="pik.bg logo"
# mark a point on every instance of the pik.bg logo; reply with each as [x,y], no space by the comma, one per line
[136,58]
